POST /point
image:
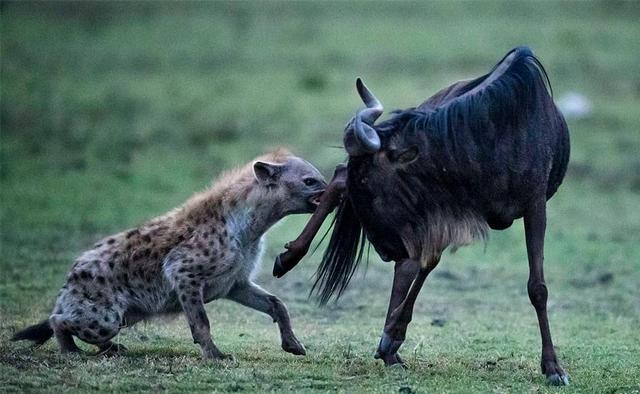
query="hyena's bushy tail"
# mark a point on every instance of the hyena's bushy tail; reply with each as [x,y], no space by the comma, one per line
[38,333]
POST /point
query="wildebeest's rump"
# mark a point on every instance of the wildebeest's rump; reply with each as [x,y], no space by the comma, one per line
[477,155]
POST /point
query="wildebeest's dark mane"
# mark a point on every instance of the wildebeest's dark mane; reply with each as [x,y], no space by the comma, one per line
[465,121]
[523,83]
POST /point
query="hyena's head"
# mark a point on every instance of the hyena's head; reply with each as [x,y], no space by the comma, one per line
[288,182]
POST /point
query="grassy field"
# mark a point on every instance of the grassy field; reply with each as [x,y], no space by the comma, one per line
[115,112]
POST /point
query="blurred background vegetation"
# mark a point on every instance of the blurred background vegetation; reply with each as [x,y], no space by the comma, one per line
[113,112]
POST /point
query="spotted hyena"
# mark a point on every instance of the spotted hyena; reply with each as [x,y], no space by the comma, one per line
[206,249]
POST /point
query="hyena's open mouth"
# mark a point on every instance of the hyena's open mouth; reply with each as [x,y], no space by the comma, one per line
[314,200]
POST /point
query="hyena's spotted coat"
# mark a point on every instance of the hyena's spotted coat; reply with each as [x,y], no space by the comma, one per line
[206,249]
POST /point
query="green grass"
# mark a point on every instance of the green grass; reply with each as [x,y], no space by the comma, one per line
[115,112]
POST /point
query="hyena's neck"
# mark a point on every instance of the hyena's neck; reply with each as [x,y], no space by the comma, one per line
[240,209]
[248,219]
[248,223]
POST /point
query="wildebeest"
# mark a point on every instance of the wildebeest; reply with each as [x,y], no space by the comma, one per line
[475,156]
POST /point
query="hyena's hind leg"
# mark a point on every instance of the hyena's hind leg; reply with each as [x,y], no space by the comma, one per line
[92,317]
[92,333]
[63,335]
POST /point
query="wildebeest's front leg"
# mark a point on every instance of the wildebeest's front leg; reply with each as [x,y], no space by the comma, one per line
[534,225]
[253,296]
[298,248]
[407,282]
[404,274]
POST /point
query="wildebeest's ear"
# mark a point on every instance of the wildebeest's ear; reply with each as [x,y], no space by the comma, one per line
[404,156]
[267,173]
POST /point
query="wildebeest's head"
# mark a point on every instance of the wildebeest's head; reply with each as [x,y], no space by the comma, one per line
[362,139]
[384,153]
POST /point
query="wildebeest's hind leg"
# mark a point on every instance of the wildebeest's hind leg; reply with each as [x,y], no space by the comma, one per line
[253,296]
[404,273]
[535,224]
[407,282]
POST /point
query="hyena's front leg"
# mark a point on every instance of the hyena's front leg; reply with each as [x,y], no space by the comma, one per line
[189,292]
[253,296]
[193,307]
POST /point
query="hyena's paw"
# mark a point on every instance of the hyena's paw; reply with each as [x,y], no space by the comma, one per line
[111,349]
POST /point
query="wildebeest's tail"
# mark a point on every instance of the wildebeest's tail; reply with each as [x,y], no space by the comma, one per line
[38,333]
[342,256]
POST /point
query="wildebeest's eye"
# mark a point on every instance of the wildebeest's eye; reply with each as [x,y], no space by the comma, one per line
[310,181]
[404,156]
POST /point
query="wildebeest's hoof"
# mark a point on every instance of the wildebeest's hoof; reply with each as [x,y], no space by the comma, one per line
[558,379]
[554,373]
[294,346]
[390,360]
[399,366]
[218,356]
[278,267]
[388,350]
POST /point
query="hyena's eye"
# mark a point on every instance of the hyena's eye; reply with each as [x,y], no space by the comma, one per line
[310,181]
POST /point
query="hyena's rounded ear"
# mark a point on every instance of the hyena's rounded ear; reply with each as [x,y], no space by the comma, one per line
[267,173]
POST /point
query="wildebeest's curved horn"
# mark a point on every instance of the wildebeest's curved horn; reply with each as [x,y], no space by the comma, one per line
[366,138]
[374,106]
[366,135]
